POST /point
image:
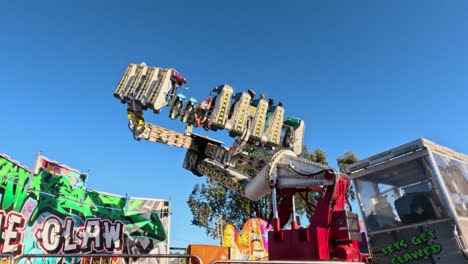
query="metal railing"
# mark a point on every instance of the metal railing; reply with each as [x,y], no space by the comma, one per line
[223,261]
[102,258]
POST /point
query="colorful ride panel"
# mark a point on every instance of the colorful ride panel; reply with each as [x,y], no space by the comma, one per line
[254,122]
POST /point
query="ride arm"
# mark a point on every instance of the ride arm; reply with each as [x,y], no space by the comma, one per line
[204,157]
[143,87]
[283,171]
[162,135]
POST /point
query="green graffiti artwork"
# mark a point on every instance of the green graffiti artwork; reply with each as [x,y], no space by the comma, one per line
[55,194]
[423,248]
[57,198]
[13,178]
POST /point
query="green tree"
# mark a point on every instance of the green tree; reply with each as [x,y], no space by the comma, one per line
[211,200]
[348,158]
[303,207]
[319,156]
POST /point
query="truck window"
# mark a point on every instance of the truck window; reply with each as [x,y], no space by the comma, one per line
[454,174]
[399,195]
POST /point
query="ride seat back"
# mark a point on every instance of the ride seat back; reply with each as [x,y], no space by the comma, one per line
[151,80]
[221,107]
[415,207]
[258,123]
[274,125]
[126,81]
[237,123]
[137,83]
[158,96]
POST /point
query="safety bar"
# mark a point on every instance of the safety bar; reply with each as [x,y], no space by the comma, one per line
[223,261]
[92,257]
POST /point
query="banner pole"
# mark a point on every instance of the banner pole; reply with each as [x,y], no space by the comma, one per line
[36,164]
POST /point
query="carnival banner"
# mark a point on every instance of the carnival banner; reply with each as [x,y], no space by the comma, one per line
[51,212]
[251,244]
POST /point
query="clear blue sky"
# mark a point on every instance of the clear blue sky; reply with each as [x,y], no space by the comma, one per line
[364,75]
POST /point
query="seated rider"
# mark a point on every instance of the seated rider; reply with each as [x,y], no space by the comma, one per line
[136,119]
[135,116]
[288,138]
[421,210]
[270,111]
[200,113]
[256,101]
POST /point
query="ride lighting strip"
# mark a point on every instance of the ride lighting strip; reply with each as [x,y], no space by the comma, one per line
[260,120]
[223,108]
[277,125]
[243,110]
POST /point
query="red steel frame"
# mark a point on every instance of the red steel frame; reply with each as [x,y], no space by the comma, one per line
[319,241]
